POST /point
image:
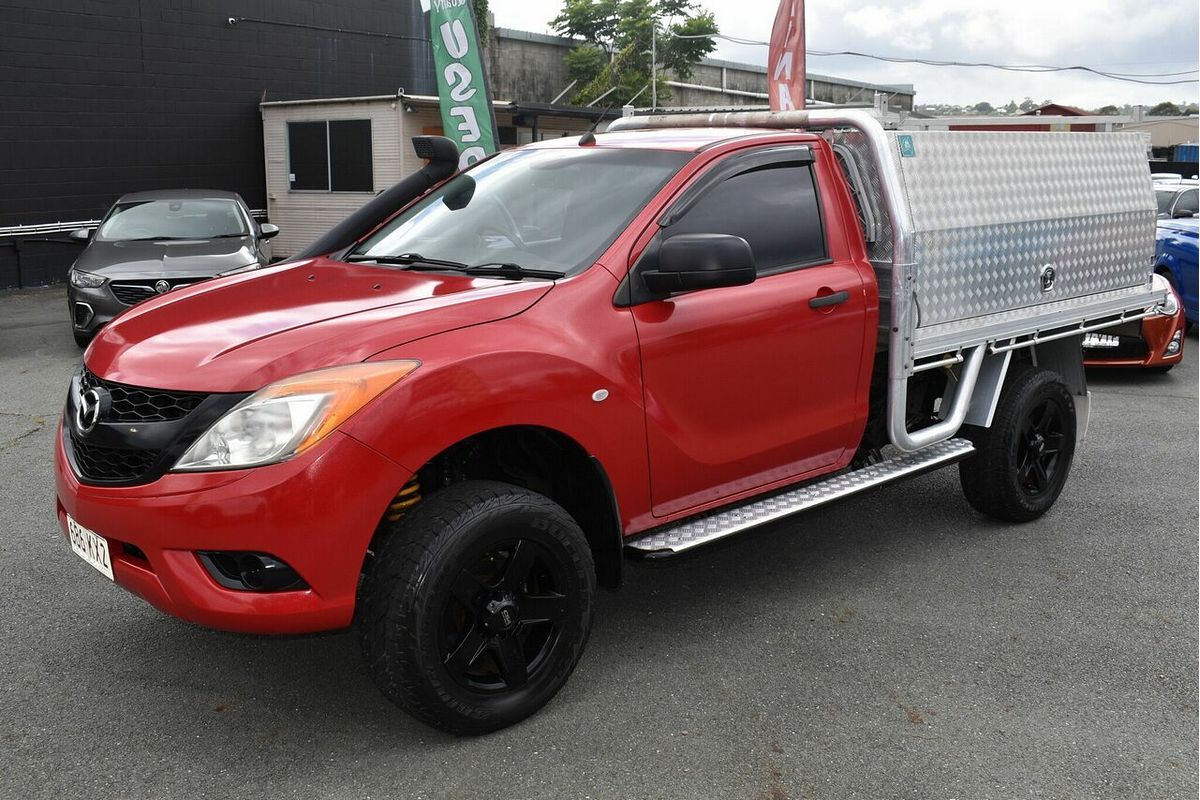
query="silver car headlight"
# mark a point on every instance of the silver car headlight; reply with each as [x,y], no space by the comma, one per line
[289,416]
[86,280]
[1170,305]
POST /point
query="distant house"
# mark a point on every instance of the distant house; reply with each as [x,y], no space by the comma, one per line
[1049,117]
[1055,110]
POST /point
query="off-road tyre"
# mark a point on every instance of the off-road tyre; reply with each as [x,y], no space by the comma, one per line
[1022,461]
[438,591]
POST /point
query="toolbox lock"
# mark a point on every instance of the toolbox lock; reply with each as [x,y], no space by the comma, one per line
[1048,276]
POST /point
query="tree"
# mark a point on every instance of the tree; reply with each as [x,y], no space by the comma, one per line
[1027,104]
[1107,111]
[1166,109]
[616,43]
[1011,108]
[480,7]
[984,108]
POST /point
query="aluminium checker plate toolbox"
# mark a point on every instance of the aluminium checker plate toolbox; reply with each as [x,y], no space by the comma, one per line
[993,213]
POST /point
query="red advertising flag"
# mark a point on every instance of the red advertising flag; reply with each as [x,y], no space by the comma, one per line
[785,62]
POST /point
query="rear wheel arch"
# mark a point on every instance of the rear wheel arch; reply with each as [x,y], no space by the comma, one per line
[1023,459]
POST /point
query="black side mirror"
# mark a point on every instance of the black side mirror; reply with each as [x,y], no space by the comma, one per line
[1182,213]
[701,261]
[267,230]
[80,234]
[458,194]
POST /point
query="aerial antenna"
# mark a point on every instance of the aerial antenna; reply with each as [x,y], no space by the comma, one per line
[590,136]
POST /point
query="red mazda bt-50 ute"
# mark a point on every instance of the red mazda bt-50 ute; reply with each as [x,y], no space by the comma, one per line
[451,424]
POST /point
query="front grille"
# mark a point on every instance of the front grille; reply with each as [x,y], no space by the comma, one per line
[135,404]
[116,449]
[110,464]
[133,292]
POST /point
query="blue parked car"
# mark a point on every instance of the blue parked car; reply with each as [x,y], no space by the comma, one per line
[1175,258]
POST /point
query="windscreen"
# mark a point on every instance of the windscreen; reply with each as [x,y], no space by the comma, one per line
[173,219]
[543,209]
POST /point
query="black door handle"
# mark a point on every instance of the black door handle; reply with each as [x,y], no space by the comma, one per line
[834,299]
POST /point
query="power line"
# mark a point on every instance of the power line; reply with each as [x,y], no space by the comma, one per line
[1129,77]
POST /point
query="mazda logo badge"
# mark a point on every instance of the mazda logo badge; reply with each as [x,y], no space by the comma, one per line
[162,287]
[87,413]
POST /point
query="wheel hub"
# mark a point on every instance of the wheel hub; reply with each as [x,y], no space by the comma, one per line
[501,613]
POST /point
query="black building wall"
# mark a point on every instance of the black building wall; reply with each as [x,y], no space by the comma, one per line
[103,97]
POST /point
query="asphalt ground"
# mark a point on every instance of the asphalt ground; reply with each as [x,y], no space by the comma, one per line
[892,646]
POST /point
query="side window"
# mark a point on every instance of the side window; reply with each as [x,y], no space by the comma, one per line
[774,208]
[1187,202]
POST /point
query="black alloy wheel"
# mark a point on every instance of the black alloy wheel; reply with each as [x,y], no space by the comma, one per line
[1022,461]
[1039,448]
[504,617]
[477,606]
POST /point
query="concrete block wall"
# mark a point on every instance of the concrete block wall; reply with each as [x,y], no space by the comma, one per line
[527,67]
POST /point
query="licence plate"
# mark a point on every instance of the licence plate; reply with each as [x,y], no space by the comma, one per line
[1097,341]
[90,546]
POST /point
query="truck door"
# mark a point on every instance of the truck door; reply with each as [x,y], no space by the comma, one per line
[750,385]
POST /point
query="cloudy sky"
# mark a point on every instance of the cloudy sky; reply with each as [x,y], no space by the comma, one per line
[1124,36]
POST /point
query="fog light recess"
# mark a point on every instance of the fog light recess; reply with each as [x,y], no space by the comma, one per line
[251,572]
[83,315]
[1175,345]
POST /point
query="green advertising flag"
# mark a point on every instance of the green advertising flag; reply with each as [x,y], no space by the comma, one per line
[466,102]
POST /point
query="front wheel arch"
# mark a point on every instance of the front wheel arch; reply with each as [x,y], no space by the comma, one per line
[462,630]
[536,458]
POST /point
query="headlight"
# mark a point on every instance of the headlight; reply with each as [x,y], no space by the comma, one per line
[289,416]
[86,280]
[1171,305]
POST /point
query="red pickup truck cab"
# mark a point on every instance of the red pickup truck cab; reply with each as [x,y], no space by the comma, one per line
[447,433]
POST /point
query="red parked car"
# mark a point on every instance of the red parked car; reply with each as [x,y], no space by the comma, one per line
[450,423]
[1154,343]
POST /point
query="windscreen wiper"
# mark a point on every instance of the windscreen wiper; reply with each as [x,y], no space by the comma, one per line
[410,260]
[508,269]
[499,269]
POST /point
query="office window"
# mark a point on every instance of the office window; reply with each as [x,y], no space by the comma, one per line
[331,156]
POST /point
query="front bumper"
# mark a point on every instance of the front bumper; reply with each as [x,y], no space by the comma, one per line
[91,309]
[1148,350]
[316,512]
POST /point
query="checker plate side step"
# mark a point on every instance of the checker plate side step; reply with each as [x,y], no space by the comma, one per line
[679,537]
